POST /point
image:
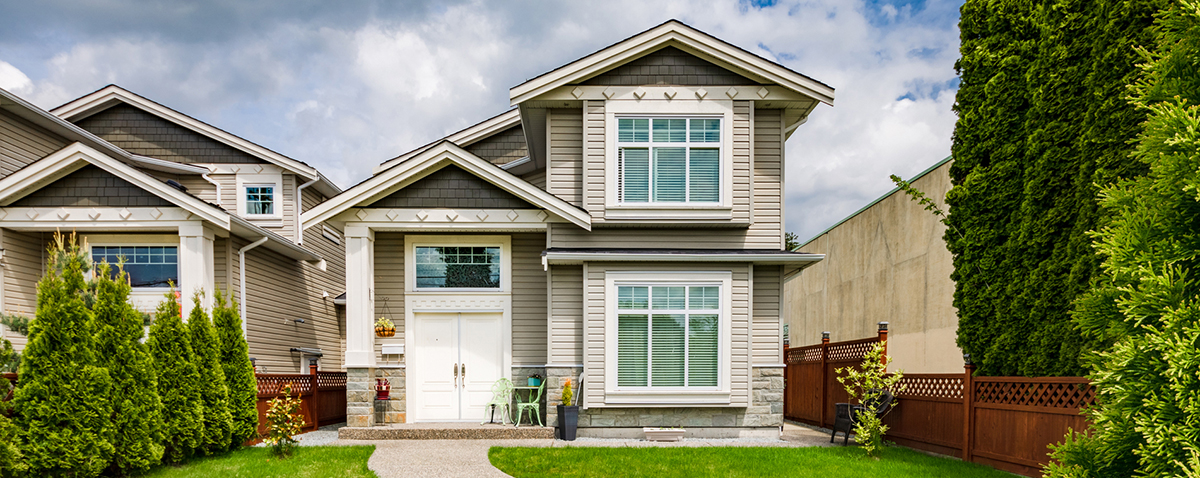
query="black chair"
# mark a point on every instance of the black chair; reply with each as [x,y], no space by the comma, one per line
[847,414]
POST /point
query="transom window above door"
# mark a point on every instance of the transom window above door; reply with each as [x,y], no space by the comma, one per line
[148,266]
[457,267]
[668,160]
[668,335]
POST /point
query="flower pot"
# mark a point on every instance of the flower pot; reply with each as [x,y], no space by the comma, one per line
[385,331]
[568,420]
[663,434]
[533,382]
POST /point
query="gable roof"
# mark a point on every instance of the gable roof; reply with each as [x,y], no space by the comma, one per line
[76,156]
[463,137]
[677,34]
[430,160]
[110,95]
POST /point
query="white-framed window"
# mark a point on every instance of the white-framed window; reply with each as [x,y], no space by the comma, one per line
[668,335]
[260,199]
[149,266]
[669,159]
[439,264]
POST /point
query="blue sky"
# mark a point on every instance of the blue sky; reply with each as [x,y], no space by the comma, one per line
[347,85]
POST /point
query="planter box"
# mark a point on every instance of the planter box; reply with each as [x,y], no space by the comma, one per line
[663,434]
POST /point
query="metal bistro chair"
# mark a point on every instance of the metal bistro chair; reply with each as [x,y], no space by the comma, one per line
[533,405]
[502,392]
[847,415]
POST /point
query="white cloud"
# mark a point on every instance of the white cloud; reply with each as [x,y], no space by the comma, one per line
[345,95]
[14,80]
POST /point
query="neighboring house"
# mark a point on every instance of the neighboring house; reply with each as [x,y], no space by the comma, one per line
[624,222]
[887,262]
[182,202]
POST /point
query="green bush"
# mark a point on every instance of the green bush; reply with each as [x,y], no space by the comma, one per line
[239,372]
[866,385]
[1147,303]
[11,461]
[283,422]
[137,410]
[63,404]
[214,393]
[178,382]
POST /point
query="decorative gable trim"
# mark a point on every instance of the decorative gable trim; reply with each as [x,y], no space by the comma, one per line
[672,33]
[430,160]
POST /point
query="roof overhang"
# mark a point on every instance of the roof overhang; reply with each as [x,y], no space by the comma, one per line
[28,112]
[464,137]
[110,95]
[429,161]
[792,262]
[686,38]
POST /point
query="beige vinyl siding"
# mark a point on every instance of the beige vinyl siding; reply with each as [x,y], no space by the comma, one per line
[566,315]
[594,167]
[333,279]
[229,192]
[536,178]
[24,261]
[565,170]
[528,300]
[741,160]
[22,143]
[289,208]
[389,284]
[767,230]
[766,326]
[595,316]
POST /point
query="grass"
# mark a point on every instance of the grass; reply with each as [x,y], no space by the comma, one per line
[314,461]
[728,462]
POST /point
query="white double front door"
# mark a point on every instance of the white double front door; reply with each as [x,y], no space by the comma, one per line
[458,357]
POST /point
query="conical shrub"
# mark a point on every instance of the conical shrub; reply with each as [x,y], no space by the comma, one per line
[178,382]
[63,401]
[136,416]
[11,461]
[214,392]
[239,372]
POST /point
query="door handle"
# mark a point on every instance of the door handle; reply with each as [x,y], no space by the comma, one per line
[455,375]
[464,375]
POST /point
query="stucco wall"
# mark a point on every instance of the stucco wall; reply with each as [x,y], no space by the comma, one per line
[887,263]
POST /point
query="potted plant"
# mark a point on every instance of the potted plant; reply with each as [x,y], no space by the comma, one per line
[663,433]
[568,415]
[535,380]
[384,327]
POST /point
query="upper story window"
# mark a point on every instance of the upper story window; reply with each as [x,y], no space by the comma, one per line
[148,266]
[669,160]
[458,267]
[260,200]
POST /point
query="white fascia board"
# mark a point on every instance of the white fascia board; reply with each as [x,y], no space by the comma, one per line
[464,137]
[165,166]
[76,155]
[102,98]
[578,257]
[394,178]
[677,34]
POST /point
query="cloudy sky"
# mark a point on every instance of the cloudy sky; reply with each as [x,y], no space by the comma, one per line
[346,85]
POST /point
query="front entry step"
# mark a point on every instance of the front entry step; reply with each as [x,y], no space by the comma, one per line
[445,431]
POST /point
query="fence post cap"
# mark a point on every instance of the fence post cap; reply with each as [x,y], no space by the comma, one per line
[883,326]
[967,359]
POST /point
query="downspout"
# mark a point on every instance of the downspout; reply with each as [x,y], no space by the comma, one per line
[242,279]
[214,183]
[300,207]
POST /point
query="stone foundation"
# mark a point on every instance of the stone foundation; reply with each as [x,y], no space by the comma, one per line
[360,398]
[555,377]
[394,409]
[520,378]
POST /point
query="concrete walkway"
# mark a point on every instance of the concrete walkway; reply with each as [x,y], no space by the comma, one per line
[468,458]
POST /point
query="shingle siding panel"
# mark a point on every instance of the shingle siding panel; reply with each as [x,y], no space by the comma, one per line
[140,132]
[452,187]
[91,186]
[503,147]
[669,66]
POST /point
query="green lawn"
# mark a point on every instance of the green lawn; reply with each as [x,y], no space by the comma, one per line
[315,461]
[728,462]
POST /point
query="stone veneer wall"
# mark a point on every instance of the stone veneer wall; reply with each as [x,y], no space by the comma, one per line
[555,377]
[392,410]
[360,398]
[520,378]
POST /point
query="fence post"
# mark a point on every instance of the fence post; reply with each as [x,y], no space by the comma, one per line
[883,331]
[312,403]
[968,406]
[785,382]
[824,378]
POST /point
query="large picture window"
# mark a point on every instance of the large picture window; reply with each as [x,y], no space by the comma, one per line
[668,335]
[458,267]
[668,160]
[148,266]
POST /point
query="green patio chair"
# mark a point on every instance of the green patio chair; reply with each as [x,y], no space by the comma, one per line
[502,392]
[533,405]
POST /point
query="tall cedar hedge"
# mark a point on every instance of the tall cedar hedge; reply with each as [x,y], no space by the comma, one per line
[1042,121]
[11,461]
[137,409]
[214,393]
[63,404]
[239,372]
[178,382]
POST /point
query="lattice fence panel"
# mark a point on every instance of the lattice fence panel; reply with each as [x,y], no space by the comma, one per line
[931,386]
[271,385]
[331,380]
[852,350]
[1049,394]
[811,353]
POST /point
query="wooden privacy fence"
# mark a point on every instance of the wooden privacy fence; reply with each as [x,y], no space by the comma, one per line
[322,396]
[1003,422]
[811,386]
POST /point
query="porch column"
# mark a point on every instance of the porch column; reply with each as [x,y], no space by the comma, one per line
[195,265]
[360,297]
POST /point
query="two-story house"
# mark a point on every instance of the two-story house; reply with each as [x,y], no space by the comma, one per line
[181,202]
[624,222]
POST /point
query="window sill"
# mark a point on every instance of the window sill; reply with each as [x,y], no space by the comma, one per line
[673,397]
[265,221]
[659,212]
